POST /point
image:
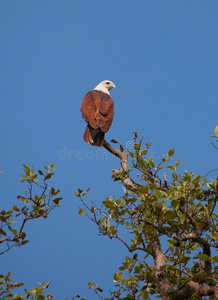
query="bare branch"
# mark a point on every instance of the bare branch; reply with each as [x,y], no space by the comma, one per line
[209,173]
[130,249]
[9,247]
[128,183]
[214,145]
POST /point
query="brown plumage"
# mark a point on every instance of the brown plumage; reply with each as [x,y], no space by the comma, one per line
[98,111]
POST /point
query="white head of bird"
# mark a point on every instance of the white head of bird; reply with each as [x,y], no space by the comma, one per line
[105,86]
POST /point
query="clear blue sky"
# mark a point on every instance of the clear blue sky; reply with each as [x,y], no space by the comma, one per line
[163,58]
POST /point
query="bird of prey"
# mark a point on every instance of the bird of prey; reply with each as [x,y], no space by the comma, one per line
[98,111]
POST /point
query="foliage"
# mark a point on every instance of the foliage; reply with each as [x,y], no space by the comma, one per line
[172,226]
[169,227]
[37,202]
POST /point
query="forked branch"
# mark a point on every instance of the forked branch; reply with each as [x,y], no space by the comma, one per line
[128,183]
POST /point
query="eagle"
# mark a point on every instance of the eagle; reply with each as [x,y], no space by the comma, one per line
[98,111]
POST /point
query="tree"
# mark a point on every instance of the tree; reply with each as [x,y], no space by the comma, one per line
[172,224]
[33,206]
[171,227]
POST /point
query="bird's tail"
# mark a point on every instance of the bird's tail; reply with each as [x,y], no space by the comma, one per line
[94,137]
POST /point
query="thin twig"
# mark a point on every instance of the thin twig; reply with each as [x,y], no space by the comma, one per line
[210,172]
[214,145]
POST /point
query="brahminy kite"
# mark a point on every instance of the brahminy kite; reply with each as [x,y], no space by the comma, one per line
[98,111]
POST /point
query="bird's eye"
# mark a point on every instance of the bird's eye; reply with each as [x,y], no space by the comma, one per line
[107,82]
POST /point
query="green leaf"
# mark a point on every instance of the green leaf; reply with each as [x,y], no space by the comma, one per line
[171,152]
[145,294]
[32,291]
[215,259]
[24,242]
[170,215]
[14,231]
[171,242]
[158,194]
[48,176]
[90,284]
[177,163]
[82,211]
[205,181]
[15,208]
[114,141]
[36,198]
[109,204]
[144,152]
[214,237]
[182,218]
[51,166]
[135,256]
[149,248]
[23,235]
[52,191]
[143,189]
[171,168]
[175,203]
[3,232]
[210,206]
[18,297]
[131,154]
[204,257]
[57,200]
[121,148]
[118,276]
[8,276]
[27,169]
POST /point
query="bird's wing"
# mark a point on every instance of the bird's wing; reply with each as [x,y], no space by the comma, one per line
[105,113]
[89,107]
[98,110]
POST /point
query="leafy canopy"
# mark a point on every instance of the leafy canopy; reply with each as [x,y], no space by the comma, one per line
[172,227]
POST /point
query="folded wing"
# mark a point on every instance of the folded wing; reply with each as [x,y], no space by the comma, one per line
[98,111]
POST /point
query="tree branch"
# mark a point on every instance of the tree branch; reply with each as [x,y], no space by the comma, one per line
[128,183]
[158,256]
[192,287]
[199,286]
[216,292]
[160,262]
[204,244]
[190,218]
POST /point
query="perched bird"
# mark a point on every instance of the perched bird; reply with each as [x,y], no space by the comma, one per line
[98,111]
